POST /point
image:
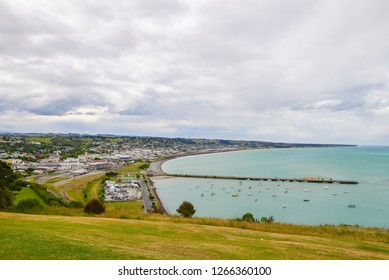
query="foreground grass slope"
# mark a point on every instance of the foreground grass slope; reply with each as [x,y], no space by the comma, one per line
[60,237]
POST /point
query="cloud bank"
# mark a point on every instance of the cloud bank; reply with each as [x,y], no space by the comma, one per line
[301,71]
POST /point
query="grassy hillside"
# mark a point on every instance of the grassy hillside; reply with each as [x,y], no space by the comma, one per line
[27,193]
[162,237]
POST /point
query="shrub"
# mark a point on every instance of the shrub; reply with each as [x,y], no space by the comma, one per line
[269,219]
[94,207]
[186,209]
[29,205]
[75,204]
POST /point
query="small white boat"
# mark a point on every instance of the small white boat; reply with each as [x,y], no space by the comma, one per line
[212,194]
[249,194]
[326,187]
[235,195]
[274,194]
[335,193]
[306,190]
[284,205]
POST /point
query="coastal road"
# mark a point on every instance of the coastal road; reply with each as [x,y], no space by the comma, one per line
[145,195]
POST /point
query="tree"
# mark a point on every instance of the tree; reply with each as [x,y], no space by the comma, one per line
[6,198]
[186,209]
[94,207]
[7,178]
[248,217]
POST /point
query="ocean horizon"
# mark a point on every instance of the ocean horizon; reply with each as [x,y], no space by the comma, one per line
[364,204]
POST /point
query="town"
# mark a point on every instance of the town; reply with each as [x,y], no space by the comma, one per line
[37,154]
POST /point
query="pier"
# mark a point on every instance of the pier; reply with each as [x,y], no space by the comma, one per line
[270,179]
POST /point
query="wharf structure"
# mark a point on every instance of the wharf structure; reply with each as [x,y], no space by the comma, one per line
[270,179]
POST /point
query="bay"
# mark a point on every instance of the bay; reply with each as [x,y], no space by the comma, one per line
[328,203]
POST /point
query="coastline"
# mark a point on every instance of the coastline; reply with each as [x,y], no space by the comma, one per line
[156,166]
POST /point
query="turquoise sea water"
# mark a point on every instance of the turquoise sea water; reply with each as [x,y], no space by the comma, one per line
[214,198]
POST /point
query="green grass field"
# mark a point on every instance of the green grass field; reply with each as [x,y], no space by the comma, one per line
[133,168]
[163,237]
[26,193]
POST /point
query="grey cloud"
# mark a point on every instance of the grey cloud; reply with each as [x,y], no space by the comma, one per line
[197,64]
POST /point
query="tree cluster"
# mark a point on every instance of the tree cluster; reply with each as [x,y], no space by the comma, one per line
[7,179]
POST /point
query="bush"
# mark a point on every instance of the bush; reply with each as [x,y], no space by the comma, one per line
[29,205]
[49,198]
[186,209]
[248,217]
[269,219]
[75,204]
[144,166]
[94,207]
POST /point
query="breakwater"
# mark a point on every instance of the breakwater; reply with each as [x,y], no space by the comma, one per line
[269,179]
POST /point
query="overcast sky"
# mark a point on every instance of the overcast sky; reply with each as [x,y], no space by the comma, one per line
[290,71]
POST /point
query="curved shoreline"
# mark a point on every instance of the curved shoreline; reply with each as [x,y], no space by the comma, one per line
[156,166]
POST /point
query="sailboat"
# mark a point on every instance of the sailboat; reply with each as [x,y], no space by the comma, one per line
[284,205]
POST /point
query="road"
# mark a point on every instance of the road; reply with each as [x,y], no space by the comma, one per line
[145,195]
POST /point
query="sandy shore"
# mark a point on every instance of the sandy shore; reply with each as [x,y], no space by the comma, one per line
[156,166]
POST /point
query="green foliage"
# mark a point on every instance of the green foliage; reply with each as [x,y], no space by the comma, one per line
[248,217]
[18,185]
[94,207]
[7,176]
[269,219]
[75,204]
[45,195]
[144,166]
[6,198]
[111,174]
[29,205]
[186,209]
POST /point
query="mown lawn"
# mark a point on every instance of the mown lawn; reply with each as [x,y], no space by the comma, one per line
[57,237]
